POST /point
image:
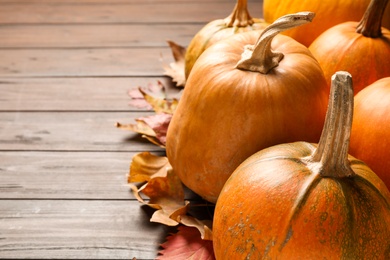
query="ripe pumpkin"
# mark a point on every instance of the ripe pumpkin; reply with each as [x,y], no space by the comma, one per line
[232,107]
[303,201]
[370,137]
[362,49]
[238,21]
[328,14]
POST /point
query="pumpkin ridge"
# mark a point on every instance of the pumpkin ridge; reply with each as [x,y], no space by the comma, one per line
[374,189]
[308,185]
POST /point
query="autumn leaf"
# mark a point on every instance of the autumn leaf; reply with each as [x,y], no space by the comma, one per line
[175,70]
[156,90]
[165,191]
[186,244]
[163,187]
[154,127]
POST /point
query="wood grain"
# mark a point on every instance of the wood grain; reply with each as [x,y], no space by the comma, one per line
[78,229]
[70,131]
[96,36]
[67,12]
[118,62]
[75,93]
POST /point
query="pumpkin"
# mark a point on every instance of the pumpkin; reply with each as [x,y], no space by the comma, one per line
[362,49]
[231,107]
[328,14]
[370,137]
[305,201]
[238,21]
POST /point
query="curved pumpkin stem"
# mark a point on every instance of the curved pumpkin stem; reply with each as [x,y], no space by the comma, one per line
[260,57]
[371,23]
[331,155]
[240,16]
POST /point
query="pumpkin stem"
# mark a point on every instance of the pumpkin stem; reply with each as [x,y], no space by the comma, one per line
[331,156]
[260,57]
[371,23]
[240,16]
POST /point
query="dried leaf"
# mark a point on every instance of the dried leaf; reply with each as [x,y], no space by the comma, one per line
[140,127]
[153,127]
[160,105]
[159,124]
[156,91]
[145,166]
[175,70]
[186,244]
[203,226]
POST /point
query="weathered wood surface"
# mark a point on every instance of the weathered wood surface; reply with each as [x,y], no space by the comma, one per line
[73,94]
[65,69]
[77,229]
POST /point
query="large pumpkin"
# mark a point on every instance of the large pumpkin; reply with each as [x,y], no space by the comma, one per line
[361,48]
[231,108]
[303,201]
[328,13]
[238,21]
[370,137]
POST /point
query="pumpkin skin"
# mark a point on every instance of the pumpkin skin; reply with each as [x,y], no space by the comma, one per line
[370,137]
[342,48]
[306,201]
[328,13]
[226,114]
[260,215]
[237,22]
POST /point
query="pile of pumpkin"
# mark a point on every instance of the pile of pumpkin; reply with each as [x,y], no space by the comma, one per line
[283,122]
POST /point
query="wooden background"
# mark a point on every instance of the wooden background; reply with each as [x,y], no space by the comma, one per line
[65,69]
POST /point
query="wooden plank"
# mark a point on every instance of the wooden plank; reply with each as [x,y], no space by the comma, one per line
[76,94]
[68,175]
[70,131]
[96,36]
[65,175]
[78,229]
[106,12]
[84,62]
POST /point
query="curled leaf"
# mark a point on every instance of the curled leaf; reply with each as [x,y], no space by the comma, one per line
[153,127]
[176,70]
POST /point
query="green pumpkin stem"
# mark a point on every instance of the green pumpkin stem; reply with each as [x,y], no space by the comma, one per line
[371,23]
[240,16]
[260,57]
[331,155]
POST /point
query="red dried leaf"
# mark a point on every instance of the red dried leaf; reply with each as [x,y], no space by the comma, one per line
[175,70]
[159,124]
[186,244]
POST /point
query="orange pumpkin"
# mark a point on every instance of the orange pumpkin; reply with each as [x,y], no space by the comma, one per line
[328,14]
[232,107]
[370,137]
[238,21]
[303,201]
[362,49]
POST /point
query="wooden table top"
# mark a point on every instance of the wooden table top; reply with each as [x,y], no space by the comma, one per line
[65,69]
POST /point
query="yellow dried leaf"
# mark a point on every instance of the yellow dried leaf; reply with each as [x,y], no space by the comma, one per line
[175,70]
[145,166]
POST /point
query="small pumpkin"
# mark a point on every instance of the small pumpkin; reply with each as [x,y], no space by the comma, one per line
[361,48]
[306,201]
[328,14]
[370,137]
[233,106]
[238,21]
